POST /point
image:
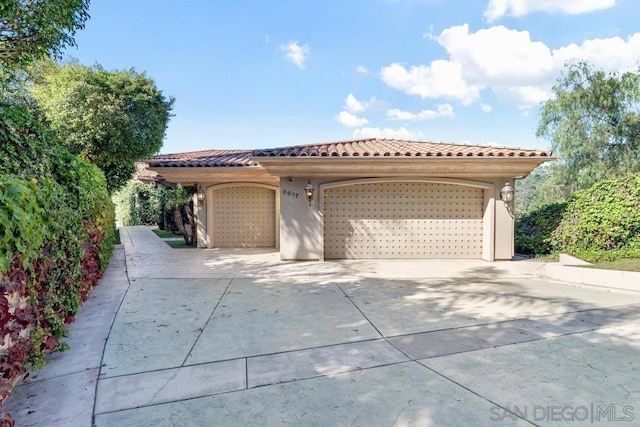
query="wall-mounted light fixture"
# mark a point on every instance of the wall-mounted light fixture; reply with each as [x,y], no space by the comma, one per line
[506,195]
[201,194]
[308,191]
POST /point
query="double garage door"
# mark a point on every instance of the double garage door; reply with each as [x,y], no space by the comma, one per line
[244,216]
[403,220]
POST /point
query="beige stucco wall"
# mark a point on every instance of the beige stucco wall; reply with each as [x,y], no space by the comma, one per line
[301,230]
[200,212]
[301,225]
[504,224]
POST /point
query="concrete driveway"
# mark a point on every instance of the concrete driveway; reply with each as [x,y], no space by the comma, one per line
[205,337]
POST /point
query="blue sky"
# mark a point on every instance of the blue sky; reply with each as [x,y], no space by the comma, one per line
[269,73]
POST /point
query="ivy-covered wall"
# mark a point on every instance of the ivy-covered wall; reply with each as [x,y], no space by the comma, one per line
[56,238]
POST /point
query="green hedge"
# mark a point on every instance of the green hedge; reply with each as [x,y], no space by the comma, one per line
[533,230]
[139,203]
[56,238]
[602,223]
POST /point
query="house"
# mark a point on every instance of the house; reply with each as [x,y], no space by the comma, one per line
[368,198]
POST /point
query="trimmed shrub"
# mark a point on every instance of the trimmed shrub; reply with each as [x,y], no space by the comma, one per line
[533,230]
[56,238]
[602,223]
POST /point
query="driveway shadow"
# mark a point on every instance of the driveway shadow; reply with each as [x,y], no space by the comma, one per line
[532,345]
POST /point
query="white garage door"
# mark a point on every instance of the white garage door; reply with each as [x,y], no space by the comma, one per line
[403,220]
[244,217]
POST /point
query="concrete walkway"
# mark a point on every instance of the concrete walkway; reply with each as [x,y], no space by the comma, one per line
[236,337]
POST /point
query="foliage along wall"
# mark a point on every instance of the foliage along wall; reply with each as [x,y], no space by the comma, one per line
[601,223]
[534,229]
[139,203]
[56,238]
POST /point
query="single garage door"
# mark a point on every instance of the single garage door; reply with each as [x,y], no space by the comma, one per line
[244,217]
[403,220]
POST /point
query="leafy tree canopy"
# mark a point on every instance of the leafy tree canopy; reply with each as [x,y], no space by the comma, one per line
[593,124]
[113,118]
[36,29]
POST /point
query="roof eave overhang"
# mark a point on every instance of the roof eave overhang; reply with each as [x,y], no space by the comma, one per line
[214,175]
[360,167]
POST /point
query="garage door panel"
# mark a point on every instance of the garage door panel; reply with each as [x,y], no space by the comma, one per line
[244,217]
[403,220]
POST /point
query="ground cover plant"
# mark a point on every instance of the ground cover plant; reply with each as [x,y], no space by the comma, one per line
[625,264]
[170,239]
[164,234]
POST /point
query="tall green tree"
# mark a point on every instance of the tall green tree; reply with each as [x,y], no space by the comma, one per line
[593,124]
[36,29]
[32,30]
[113,118]
[530,190]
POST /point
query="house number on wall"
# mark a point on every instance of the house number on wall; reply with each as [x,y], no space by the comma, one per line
[290,193]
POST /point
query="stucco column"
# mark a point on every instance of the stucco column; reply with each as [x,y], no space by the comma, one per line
[301,231]
[200,212]
[505,224]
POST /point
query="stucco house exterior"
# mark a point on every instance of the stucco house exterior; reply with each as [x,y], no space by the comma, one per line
[370,198]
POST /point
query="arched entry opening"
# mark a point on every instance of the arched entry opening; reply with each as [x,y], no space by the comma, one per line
[243,215]
[408,218]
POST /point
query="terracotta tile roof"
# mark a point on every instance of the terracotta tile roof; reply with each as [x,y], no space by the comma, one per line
[143,173]
[372,147]
[204,159]
[375,147]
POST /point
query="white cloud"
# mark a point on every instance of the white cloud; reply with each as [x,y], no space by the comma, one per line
[296,53]
[440,79]
[499,8]
[614,53]
[508,62]
[362,70]
[529,95]
[351,120]
[496,53]
[401,133]
[354,105]
[442,110]
[486,107]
